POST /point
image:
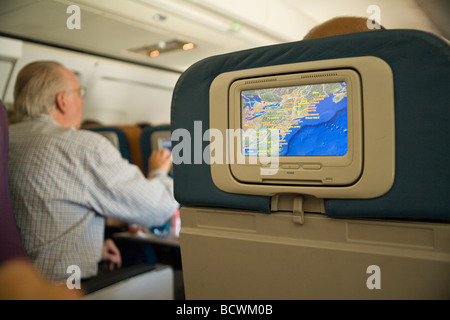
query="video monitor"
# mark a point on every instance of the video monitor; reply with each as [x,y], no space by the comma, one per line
[311,119]
[300,128]
[317,128]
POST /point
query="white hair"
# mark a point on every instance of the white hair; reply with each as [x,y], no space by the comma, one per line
[36,87]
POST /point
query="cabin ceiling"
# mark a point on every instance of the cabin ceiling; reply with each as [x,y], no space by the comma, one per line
[112,27]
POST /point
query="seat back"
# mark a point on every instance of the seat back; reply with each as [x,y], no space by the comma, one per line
[248,248]
[125,138]
[10,243]
[425,135]
[133,133]
[117,137]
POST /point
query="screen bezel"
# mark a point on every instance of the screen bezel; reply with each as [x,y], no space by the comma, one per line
[299,170]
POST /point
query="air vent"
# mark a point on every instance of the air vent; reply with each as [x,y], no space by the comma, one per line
[261,80]
[318,75]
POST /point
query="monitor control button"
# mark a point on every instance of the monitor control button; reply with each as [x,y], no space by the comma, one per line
[312,166]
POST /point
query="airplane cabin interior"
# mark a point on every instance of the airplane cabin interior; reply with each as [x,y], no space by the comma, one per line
[305,169]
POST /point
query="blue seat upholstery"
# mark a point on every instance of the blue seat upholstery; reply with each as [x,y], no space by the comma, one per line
[146,143]
[421,68]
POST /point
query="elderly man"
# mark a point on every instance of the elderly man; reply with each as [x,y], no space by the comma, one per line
[64,181]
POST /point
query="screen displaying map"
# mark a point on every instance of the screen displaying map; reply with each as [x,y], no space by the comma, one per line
[311,120]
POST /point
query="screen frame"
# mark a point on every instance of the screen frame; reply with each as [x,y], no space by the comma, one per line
[303,170]
[378,113]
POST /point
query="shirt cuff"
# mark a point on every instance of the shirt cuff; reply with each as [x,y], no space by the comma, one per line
[156,173]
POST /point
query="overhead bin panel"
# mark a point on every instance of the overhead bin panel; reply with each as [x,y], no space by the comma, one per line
[112,28]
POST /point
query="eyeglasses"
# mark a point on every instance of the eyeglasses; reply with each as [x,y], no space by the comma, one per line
[81,91]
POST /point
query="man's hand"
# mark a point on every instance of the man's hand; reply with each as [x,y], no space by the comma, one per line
[160,159]
[111,255]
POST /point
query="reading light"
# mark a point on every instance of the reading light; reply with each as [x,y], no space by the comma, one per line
[163,47]
[154,53]
[188,46]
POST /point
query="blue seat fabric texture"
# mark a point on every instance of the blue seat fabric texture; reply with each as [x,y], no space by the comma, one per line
[420,63]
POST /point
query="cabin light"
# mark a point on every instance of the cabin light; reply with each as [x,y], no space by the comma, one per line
[154,53]
[188,46]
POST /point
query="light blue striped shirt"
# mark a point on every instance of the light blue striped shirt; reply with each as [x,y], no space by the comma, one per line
[63,182]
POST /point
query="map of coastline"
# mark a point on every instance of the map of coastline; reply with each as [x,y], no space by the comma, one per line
[311,120]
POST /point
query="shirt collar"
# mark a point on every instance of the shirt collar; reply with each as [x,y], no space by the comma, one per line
[47,118]
[43,118]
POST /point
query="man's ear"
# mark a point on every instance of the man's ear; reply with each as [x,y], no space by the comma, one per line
[61,104]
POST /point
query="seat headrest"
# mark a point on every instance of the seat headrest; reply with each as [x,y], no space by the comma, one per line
[420,63]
